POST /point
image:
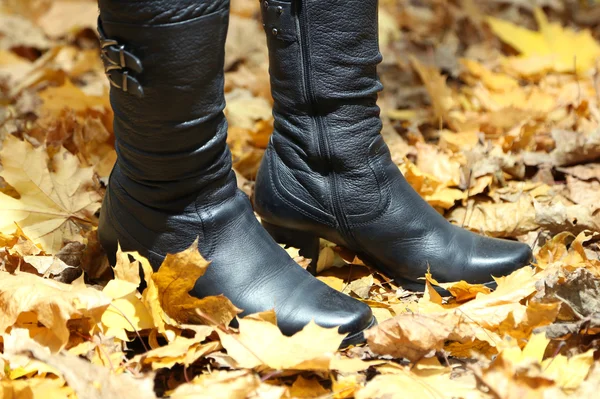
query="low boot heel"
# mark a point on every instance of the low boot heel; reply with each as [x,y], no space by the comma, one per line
[307,243]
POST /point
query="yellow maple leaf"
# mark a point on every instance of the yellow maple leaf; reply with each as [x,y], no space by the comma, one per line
[492,80]
[427,379]
[567,373]
[262,343]
[58,198]
[126,311]
[551,48]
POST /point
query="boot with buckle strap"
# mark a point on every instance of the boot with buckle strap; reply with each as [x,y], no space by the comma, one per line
[173,181]
[327,171]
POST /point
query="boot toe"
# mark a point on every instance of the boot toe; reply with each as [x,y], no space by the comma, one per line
[498,257]
[328,308]
[351,316]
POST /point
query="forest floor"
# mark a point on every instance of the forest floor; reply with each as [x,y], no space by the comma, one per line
[490,109]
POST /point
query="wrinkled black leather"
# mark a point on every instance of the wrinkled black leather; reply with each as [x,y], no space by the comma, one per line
[173,180]
[327,170]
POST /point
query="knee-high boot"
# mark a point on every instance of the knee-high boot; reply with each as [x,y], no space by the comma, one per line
[327,171]
[173,180]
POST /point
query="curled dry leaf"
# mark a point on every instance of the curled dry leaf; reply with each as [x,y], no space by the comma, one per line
[27,300]
[461,290]
[435,192]
[413,336]
[174,280]
[179,351]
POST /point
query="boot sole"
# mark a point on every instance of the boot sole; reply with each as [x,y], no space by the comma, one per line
[308,244]
[412,285]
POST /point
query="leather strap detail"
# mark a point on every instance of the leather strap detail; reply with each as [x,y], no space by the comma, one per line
[278,20]
[118,63]
[121,79]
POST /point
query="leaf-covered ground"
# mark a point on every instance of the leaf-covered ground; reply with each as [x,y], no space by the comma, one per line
[491,110]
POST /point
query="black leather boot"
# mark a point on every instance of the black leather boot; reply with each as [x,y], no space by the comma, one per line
[327,171]
[173,180]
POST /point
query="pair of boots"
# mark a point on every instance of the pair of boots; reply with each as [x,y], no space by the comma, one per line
[326,173]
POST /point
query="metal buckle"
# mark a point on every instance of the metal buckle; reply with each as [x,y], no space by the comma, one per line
[124,81]
[111,65]
[105,44]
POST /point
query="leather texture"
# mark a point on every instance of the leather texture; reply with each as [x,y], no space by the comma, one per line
[328,172]
[173,180]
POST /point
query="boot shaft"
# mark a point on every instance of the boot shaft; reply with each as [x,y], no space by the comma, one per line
[165,62]
[334,43]
[323,66]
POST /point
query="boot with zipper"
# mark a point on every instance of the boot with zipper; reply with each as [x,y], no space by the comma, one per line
[327,171]
[173,181]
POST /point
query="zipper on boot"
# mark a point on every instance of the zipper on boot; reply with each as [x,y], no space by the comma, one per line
[323,150]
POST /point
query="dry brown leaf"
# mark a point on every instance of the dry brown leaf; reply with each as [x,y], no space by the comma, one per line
[440,95]
[413,336]
[174,280]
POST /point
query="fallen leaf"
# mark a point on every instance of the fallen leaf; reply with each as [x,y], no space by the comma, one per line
[461,290]
[58,197]
[127,312]
[176,277]
[413,336]
[181,350]
[86,379]
[307,388]
[262,343]
[555,48]
[237,384]
[50,303]
[427,379]
[68,95]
